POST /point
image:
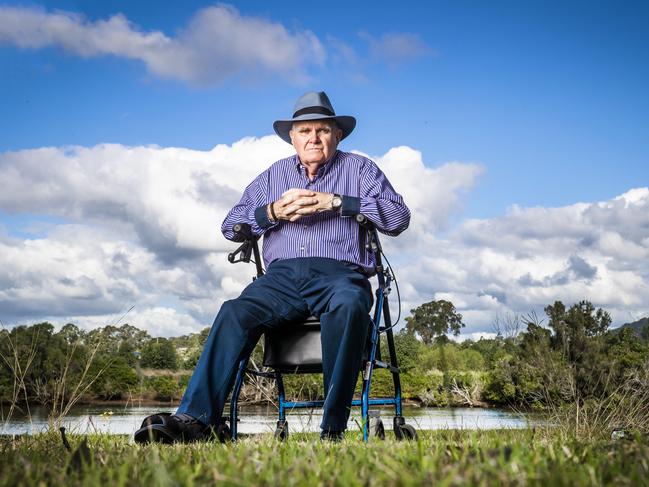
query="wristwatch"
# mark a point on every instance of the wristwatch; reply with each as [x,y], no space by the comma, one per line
[336,203]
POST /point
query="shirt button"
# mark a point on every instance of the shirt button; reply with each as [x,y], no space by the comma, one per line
[306,226]
[302,249]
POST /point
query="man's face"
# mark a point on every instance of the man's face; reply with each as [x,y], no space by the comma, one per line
[315,141]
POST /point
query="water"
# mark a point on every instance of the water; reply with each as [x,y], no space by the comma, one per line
[257,419]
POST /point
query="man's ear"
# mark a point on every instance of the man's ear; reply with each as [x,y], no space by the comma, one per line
[340,135]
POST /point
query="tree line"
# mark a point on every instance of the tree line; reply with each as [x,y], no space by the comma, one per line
[568,356]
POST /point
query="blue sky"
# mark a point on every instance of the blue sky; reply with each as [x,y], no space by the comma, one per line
[550,96]
[548,99]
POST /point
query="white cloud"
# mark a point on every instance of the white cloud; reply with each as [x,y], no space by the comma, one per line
[531,257]
[433,193]
[170,198]
[217,43]
[157,320]
[394,48]
[140,227]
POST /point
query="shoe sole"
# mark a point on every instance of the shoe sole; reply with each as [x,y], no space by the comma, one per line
[155,433]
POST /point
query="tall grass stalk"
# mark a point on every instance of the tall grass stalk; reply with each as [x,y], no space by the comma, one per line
[19,372]
[623,407]
[62,403]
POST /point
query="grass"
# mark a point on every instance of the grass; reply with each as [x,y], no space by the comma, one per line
[447,457]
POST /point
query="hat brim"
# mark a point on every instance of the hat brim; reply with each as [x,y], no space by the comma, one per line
[282,128]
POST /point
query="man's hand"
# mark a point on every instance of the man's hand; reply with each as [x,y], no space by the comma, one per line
[296,203]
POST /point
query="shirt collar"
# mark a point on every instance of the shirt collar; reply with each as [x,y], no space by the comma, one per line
[322,170]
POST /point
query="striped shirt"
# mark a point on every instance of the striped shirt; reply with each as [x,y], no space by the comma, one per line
[364,189]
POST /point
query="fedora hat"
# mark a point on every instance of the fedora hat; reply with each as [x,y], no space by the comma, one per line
[314,105]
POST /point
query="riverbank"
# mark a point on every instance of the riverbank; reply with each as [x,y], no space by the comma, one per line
[446,457]
[147,401]
[262,419]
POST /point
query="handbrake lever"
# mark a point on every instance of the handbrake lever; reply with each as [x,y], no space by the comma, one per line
[373,244]
[243,232]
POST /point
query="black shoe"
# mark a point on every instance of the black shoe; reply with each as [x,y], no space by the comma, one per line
[172,428]
[331,435]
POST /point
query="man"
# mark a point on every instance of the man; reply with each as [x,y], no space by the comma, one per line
[316,265]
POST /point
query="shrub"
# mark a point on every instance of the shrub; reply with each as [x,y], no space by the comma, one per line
[165,387]
[159,353]
[116,380]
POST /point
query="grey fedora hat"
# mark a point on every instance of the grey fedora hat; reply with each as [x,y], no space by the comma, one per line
[314,105]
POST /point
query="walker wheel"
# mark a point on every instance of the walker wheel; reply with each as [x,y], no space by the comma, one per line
[403,431]
[407,432]
[376,428]
[281,432]
[223,432]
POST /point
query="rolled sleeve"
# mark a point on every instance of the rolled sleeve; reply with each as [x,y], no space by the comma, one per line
[261,217]
[251,209]
[351,206]
[381,203]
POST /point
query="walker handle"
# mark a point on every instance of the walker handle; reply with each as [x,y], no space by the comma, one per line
[372,244]
[364,222]
[243,231]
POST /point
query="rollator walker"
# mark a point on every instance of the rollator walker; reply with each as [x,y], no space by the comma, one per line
[296,349]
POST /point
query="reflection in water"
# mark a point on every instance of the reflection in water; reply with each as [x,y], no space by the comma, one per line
[261,419]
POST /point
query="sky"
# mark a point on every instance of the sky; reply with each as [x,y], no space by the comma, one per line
[517,132]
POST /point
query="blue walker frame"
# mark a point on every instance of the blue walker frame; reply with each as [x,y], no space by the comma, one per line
[250,247]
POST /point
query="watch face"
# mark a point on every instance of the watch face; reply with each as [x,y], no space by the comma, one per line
[337,202]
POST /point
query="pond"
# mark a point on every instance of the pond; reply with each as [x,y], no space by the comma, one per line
[262,419]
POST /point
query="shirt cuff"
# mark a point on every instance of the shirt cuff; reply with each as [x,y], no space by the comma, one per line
[261,217]
[351,206]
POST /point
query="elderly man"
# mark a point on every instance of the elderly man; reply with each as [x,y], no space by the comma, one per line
[315,266]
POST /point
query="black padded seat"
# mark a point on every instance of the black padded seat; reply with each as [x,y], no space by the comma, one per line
[297,349]
[294,349]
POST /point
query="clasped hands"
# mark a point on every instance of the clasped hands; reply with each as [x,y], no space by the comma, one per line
[296,203]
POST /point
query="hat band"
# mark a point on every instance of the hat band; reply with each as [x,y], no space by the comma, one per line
[319,110]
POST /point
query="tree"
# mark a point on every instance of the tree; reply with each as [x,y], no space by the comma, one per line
[644,334]
[535,341]
[71,333]
[135,337]
[34,358]
[507,325]
[578,336]
[115,377]
[409,350]
[625,353]
[159,353]
[434,319]
[573,328]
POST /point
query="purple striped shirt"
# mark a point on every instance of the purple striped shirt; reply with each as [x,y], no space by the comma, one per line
[364,189]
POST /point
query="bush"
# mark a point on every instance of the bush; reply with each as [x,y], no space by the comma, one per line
[304,386]
[165,387]
[499,384]
[159,353]
[116,380]
[408,348]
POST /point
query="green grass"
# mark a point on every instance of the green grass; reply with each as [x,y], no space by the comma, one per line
[510,457]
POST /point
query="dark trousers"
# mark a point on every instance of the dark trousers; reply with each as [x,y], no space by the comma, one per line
[291,290]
